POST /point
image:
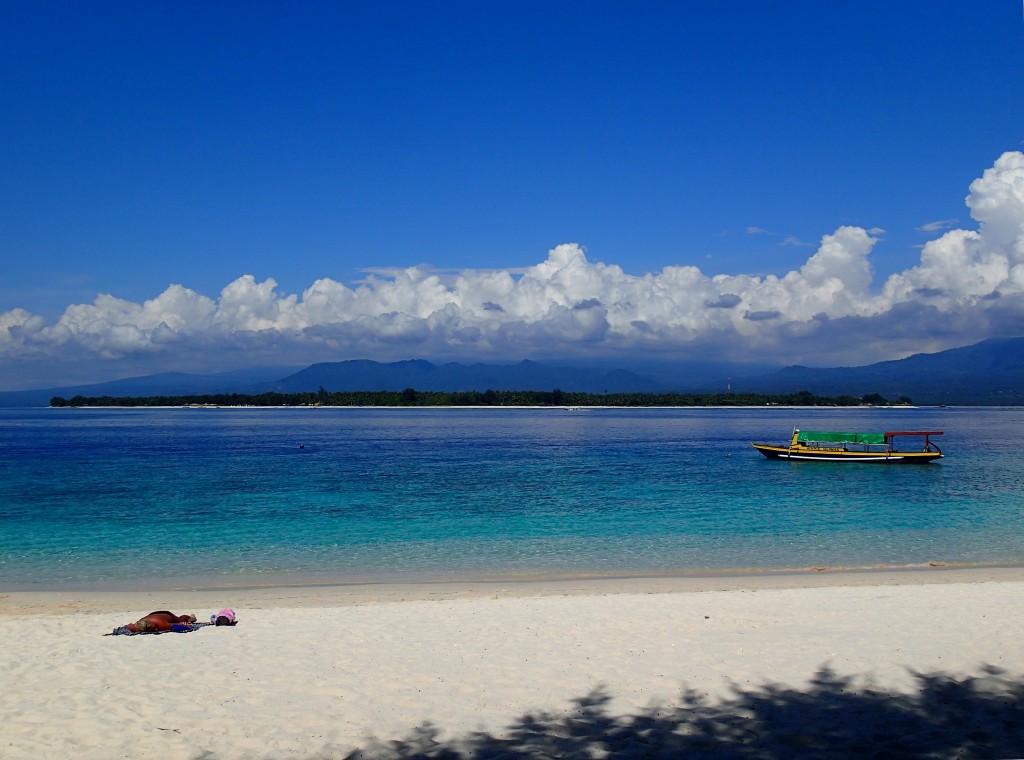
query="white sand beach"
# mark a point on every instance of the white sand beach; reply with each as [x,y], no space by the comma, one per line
[320,671]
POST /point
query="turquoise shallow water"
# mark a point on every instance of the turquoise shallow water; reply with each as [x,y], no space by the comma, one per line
[116,497]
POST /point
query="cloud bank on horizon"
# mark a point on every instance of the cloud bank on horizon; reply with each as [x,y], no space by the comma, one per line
[967,286]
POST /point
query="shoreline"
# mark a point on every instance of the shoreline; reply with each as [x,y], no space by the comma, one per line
[252,593]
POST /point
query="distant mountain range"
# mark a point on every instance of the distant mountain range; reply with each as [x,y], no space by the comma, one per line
[361,375]
[990,372]
[163,384]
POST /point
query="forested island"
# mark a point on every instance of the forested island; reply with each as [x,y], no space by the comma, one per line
[412,397]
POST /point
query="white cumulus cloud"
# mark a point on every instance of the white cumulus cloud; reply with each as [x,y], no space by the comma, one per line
[968,285]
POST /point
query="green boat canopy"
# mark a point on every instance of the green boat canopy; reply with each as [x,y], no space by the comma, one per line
[826,437]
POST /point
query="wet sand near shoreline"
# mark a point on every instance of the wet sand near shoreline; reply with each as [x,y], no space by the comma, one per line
[320,591]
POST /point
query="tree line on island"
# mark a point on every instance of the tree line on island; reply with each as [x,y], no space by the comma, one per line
[412,397]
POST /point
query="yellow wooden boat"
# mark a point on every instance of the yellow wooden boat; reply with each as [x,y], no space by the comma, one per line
[895,447]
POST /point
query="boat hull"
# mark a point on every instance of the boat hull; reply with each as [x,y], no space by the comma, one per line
[805,454]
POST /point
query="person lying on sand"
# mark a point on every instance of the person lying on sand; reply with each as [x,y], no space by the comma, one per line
[160,621]
[163,621]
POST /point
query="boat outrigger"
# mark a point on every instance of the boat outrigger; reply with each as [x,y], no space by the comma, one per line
[822,446]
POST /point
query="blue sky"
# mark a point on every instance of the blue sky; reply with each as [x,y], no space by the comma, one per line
[154,145]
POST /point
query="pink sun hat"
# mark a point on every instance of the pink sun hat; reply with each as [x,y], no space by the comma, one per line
[227,613]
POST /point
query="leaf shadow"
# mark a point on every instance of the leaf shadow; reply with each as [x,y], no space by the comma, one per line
[835,716]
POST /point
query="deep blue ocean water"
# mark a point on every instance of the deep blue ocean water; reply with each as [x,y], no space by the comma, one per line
[149,496]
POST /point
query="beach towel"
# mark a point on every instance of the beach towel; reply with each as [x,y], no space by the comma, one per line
[176,628]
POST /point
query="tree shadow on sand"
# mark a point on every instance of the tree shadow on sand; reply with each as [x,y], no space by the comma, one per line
[833,717]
